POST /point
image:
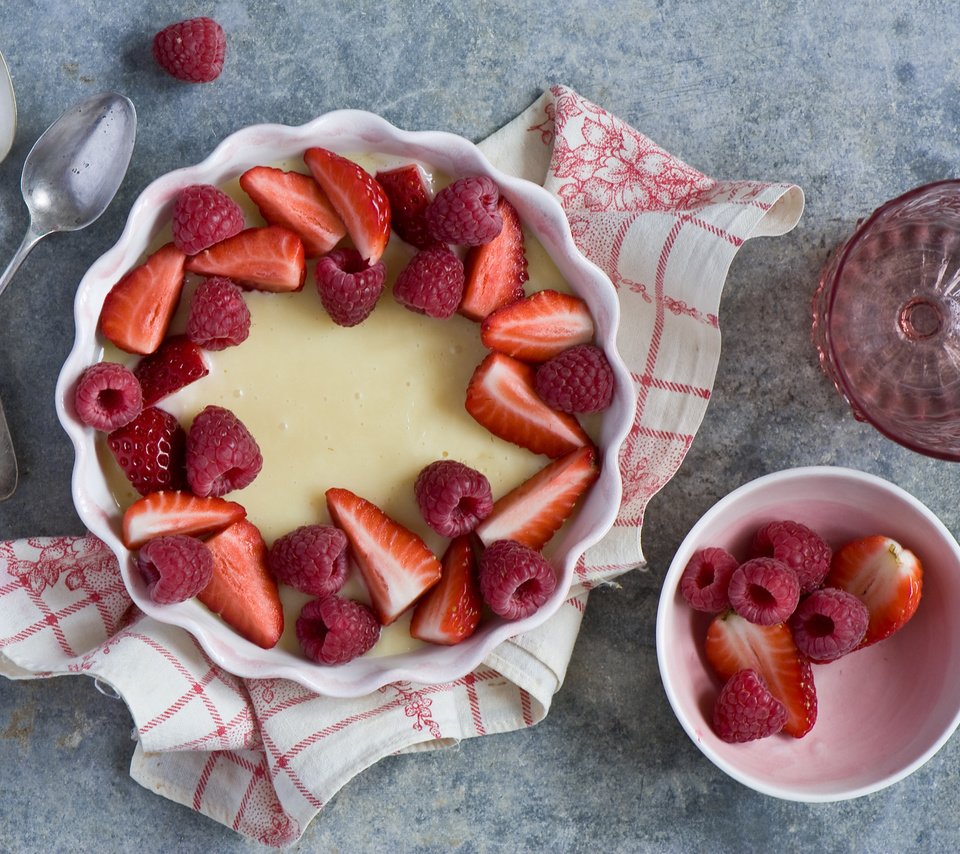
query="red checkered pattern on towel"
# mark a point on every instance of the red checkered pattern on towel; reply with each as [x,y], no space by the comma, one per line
[264,756]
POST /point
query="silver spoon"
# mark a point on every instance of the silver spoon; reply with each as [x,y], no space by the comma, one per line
[8,129]
[69,177]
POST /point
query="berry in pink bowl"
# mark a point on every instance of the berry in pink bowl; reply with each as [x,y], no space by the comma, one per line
[883,709]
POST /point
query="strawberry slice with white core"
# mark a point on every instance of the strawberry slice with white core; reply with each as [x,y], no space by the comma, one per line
[735,644]
[396,565]
[357,198]
[885,576]
[532,513]
[295,201]
[167,512]
[538,327]
[450,611]
[267,259]
[501,396]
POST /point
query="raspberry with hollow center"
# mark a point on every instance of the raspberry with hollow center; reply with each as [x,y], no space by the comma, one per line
[431,283]
[514,579]
[334,630]
[175,568]
[221,453]
[219,316]
[312,559]
[745,709]
[204,215]
[764,591]
[829,623]
[465,212]
[803,550]
[192,50]
[108,396]
[348,287]
[578,380]
[705,579]
[452,497]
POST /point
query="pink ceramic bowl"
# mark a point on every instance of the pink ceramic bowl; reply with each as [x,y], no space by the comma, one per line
[884,710]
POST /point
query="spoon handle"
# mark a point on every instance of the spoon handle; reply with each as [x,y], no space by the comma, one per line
[29,241]
[8,460]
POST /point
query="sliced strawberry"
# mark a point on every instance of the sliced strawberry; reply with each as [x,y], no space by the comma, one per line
[137,311]
[496,271]
[242,591]
[177,362]
[161,514]
[885,576]
[266,259]
[533,512]
[450,611]
[396,565]
[152,451]
[295,201]
[539,327]
[357,198]
[409,198]
[501,396]
[735,644]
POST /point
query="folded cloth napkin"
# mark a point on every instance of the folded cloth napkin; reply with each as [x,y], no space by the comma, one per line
[264,756]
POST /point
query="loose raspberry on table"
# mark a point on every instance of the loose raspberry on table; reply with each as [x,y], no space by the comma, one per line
[312,559]
[204,215]
[745,709]
[221,453]
[764,590]
[334,630]
[349,288]
[452,497]
[705,579]
[465,212]
[219,316]
[192,50]
[802,549]
[431,283]
[578,380]
[108,396]
[829,623]
[175,568]
[515,580]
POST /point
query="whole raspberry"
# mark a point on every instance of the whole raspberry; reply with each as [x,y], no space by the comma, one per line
[219,317]
[829,623]
[746,710]
[312,559]
[431,283]
[202,216]
[151,451]
[192,51]
[764,591]
[465,212]
[705,579]
[221,453]
[514,579]
[334,630]
[107,396]
[452,497]
[175,568]
[803,550]
[579,380]
[349,288]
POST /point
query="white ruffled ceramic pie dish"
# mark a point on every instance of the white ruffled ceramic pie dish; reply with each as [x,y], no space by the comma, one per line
[345,131]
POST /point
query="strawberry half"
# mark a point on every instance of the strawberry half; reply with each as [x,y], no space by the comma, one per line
[735,644]
[533,512]
[295,201]
[137,311]
[266,259]
[152,451]
[409,198]
[501,396]
[539,327]
[396,565]
[357,198]
[495,271]
[177,362]
[450,611]
[242,590]
[885,576]
[167,512]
